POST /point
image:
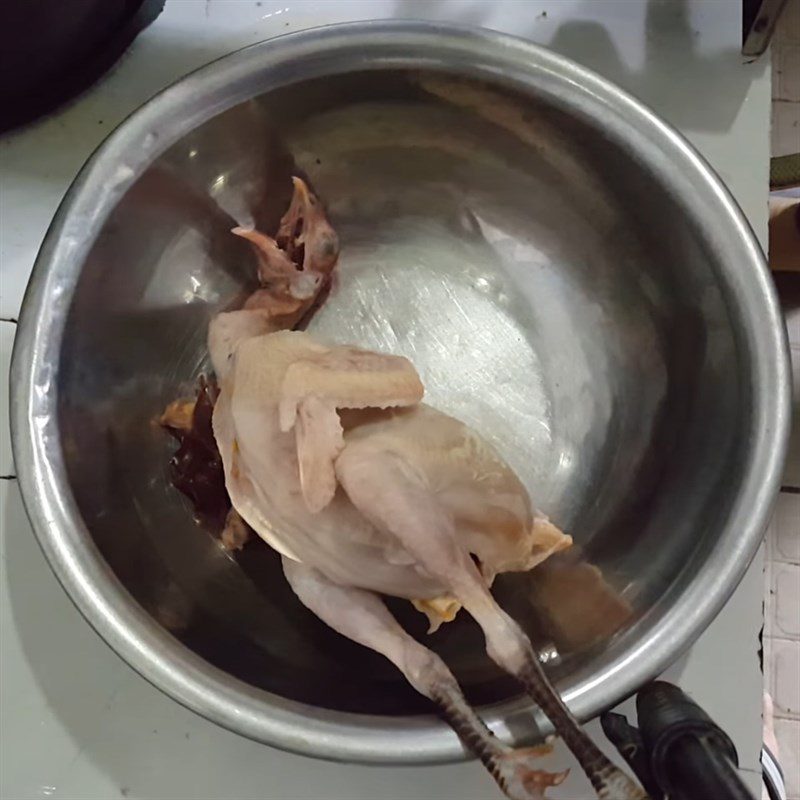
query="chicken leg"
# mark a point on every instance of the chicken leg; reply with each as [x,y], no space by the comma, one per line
[362,617]
[394,497]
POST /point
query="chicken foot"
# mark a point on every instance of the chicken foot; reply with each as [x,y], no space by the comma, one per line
[394,497]
[362,617]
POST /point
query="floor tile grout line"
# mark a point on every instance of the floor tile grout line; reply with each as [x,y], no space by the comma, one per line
[791,638]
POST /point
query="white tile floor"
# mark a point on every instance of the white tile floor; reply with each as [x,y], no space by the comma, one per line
[788,733]
[782,565]
[782,582]
[786,82]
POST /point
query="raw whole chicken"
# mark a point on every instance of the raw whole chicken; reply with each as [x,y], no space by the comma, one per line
[330,456]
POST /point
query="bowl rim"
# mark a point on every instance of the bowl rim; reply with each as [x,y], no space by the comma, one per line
[334,49]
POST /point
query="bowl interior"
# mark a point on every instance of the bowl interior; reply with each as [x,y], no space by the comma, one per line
[551,294]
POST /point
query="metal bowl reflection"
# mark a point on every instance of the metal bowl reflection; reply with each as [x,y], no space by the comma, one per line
[567,274]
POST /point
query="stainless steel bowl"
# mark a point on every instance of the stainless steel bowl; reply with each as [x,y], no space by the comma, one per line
[569,276]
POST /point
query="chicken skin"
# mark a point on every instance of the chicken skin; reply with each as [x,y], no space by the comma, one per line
[331,457]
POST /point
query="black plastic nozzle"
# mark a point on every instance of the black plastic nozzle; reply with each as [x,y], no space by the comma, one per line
[690,756]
